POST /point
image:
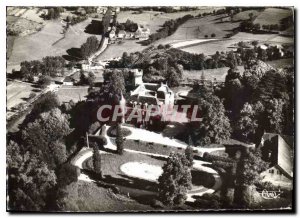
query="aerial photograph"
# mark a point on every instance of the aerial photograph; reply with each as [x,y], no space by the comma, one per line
[125,109]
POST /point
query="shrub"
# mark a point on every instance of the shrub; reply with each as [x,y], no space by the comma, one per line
[206,36]
[213,35]
[112,131]
[156,204]
[67,174]
[208,201]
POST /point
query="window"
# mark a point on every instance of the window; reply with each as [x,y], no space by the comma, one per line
[271,171]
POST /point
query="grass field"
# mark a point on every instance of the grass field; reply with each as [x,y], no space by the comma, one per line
[219,74]
[281,63]
[154,19]
[18,92]
[90,197]
[116,50]
[197,28]
[66,94]
[47,42]
[272,16]
[211,47]
[244,15]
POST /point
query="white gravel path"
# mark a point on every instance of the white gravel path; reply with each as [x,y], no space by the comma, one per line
[146,171]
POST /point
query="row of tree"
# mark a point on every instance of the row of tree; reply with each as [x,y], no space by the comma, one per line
[49,66]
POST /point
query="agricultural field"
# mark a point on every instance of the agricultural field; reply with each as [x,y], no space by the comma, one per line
[66,94]
[272,16]
[50,41]
[29,13]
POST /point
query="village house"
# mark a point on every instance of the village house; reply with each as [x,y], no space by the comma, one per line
[101,10]
[277,152]
[121,34]
[142,33]
[112,35]
[68,81]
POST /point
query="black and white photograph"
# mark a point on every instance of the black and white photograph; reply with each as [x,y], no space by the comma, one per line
[126,109]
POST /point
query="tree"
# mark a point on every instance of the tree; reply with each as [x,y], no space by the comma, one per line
[274,110]
[215,125]
[97,161]
[175,180]
[67,174]
[119,139]
[189,155]
[44,137]
[249,168]
[44,81]
[247,124]
[89,47]
[213,35]
[29,180]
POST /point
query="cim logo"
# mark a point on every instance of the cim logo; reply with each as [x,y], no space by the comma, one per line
[270,194]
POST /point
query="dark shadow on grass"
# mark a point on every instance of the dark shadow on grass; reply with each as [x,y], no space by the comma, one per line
[95,27]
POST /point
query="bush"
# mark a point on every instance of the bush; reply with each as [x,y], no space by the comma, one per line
[209,157]
[100,140]
[213,35]
[208,201]
[67,174]
[206,36]
[32,95]
[156,204]
[112,131]
[160,46]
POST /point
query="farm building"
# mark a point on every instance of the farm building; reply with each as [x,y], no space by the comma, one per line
[279,154]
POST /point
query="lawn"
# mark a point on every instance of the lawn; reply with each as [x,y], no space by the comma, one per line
[50,41]
[113,166]
[272,16]
[66,94]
